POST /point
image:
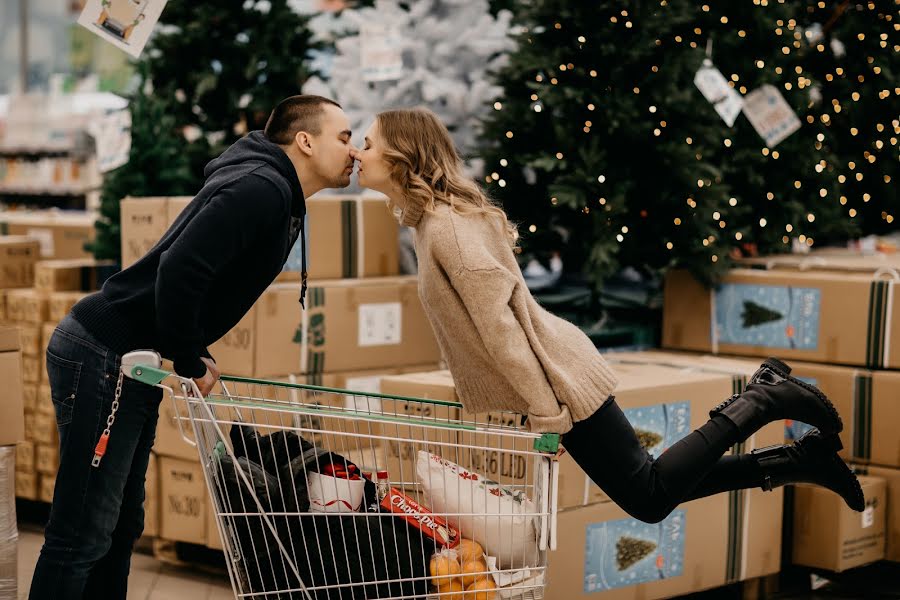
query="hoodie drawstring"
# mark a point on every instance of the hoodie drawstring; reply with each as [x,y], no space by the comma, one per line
[303,263]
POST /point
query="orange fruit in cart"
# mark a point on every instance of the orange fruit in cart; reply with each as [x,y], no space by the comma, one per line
[469,550]
[453,591]
[441,568]
[483,589]
[472,571]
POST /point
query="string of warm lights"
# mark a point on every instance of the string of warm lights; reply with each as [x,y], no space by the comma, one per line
[794,44]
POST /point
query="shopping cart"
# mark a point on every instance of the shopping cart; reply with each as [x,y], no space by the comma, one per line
[305,510]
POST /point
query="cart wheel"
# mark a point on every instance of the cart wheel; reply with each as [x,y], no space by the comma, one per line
[103,16]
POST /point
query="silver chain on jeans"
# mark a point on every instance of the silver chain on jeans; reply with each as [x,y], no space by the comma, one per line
[100,449]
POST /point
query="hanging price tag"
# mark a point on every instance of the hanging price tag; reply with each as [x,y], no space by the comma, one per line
[380,58]
[126,24]
[770,114]
[715,89]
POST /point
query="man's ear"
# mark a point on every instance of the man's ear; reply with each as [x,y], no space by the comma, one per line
[304,142]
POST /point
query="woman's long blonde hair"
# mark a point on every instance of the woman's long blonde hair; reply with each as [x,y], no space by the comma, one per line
[424,163]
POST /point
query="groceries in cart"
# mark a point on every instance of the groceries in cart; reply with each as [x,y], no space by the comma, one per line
[344,555]
[286,504]
[501,520]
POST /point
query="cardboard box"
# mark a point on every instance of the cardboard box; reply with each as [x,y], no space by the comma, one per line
[605,550]
[47,330]
[26,306]
[46,459]
[828,535]
[876,415]
[12,425]
[46,485]
[45,431]
[403,442]
[151,498]
[353,427]
[79,274]
[26,485]
[262,343]
[213,539]
[702,544]
[842,385]
[837,318]
[60,303]
[144,221]
[168,440]
[3,305]
[892,515]
[29,396]
[827,259]
[663,404]
[349,325]
[44,400]
[183,501]
[349,237]
[18,254]
[30,338]
[31,369]
[25,456]
[60,234]
[29,426]
[365,324]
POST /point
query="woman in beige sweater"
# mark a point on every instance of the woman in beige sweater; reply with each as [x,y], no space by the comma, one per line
[506,352]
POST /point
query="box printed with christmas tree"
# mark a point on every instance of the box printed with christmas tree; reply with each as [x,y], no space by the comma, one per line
[773,316]
[661,425]
[627,552]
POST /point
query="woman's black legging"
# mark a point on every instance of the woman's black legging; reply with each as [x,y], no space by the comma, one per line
[606,447]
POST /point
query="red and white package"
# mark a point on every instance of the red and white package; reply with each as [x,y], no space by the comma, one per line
[419,516]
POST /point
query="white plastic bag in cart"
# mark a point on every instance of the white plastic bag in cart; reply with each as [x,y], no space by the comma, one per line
[502,521]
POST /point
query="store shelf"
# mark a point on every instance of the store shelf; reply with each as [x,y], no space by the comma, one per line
[12,191]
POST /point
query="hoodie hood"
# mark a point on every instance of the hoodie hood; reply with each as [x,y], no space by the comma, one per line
[255,147]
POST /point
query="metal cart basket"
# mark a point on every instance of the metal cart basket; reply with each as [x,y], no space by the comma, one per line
[323,493]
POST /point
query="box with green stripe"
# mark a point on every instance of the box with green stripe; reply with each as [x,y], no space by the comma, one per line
[349,237]
[353,324]
[876,415]
[820,316]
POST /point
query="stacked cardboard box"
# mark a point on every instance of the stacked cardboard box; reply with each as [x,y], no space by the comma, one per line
[60,235]
[35,311]
[17,454]
[834,309]
[851,539]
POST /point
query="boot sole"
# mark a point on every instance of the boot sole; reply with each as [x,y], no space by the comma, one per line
[817,443]
[859,499]
[785,371]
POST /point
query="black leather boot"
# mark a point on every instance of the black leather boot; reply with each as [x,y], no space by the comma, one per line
[773,394]
[811,459]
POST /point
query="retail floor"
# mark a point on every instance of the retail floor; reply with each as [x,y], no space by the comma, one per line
[150,579]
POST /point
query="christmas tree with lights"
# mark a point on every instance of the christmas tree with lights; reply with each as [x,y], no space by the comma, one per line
[605,150]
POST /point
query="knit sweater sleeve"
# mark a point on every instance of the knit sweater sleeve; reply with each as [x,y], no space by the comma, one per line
[487,295]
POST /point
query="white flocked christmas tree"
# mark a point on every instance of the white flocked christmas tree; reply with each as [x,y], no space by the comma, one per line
[432,53]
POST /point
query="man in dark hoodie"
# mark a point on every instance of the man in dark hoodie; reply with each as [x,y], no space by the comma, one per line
[206,272]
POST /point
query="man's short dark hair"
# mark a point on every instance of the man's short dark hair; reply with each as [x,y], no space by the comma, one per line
[297,113]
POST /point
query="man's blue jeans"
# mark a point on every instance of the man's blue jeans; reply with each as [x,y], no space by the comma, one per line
[97,512]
